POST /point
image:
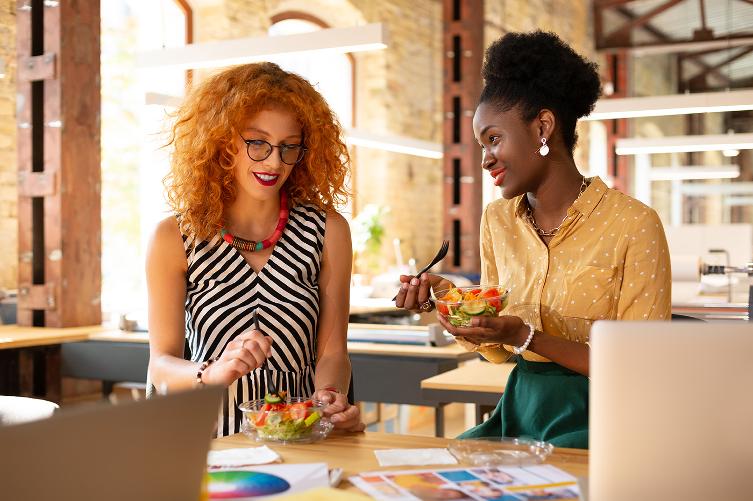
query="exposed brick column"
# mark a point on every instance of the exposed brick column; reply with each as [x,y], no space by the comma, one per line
[617,166]
[463,22]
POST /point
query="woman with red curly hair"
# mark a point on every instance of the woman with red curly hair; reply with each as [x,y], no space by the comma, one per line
[256,171]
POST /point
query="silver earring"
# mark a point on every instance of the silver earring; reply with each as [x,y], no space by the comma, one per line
[544,150]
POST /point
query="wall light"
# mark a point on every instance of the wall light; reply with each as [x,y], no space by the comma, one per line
[684,144]
[697,189]
[675,104]
[738,201]
[245,50]
[396,144]
[694,172]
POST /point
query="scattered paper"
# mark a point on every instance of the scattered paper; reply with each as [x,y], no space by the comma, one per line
[414,457]
[247,456]
[252,482]
[473,483]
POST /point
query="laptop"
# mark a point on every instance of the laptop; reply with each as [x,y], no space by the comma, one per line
[671,411]
[154,449]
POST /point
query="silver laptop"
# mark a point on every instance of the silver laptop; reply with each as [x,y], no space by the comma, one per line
[671,411]
[149,450]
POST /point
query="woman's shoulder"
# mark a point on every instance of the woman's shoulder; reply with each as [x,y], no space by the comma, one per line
[333,221]
[628,206]
[336,221]
[502,208]
[309,211]
[168,231]
[167,241]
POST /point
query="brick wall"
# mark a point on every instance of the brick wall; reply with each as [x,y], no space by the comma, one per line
[8,164]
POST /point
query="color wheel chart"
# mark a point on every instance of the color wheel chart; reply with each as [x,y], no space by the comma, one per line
[236,484]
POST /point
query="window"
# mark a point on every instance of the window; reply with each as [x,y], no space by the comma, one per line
[132,162]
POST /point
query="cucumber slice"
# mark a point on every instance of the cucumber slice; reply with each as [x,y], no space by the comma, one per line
[313,418]
[272,399]
[474,308]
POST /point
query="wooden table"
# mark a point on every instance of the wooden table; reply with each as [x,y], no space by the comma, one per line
[354,452]
[476,382]
[14,336]
[382,372]
[30,358]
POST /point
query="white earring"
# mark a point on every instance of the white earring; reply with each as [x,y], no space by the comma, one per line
[544,150]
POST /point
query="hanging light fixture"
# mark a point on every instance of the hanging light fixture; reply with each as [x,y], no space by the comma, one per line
[684,144]
[675,104]
[245,50]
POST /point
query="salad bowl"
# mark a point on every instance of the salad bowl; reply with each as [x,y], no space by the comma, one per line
[285,420]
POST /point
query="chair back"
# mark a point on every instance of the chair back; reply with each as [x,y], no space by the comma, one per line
[17,410]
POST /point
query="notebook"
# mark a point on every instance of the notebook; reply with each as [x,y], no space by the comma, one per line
[152,449]
[671,409]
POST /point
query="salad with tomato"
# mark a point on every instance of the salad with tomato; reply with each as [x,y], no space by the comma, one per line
[461,304]
[284,420]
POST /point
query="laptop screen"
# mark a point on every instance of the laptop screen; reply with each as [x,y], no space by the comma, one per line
[152,449]
[671,408]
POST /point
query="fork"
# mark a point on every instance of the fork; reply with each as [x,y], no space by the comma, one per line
[440,255]
[267,371]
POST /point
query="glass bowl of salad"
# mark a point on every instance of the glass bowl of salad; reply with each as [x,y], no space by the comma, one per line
[285,420]
[460,304]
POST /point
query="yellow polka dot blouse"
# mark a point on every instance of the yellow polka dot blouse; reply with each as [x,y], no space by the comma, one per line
[609,260]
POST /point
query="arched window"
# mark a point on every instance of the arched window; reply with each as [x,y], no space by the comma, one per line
[331,74]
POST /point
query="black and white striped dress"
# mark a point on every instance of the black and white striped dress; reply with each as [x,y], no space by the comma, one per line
[223,291]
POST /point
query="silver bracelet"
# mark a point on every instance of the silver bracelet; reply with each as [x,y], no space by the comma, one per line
[520,349]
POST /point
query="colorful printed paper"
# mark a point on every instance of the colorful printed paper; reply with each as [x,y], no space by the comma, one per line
[263,481]
[530,483]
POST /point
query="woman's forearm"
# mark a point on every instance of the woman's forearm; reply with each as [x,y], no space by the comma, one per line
[569,354]
[333,370]
[169,373]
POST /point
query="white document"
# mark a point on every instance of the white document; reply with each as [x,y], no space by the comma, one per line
[414,457]
[246,456]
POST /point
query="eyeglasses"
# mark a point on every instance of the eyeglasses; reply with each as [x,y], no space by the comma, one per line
[259,150]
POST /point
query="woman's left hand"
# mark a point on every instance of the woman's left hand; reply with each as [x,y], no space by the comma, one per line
[343,415]
[506,329]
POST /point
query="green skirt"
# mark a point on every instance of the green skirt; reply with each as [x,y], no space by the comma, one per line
[542,401]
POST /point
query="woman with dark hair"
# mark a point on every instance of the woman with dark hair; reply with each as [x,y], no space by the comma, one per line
[257,169]
[570,249]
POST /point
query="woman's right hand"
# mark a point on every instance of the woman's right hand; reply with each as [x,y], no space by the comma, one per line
[240,356]
[415,292]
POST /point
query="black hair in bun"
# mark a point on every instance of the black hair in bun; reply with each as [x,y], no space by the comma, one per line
[538,70]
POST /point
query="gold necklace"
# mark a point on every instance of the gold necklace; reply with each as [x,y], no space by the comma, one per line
[553,231]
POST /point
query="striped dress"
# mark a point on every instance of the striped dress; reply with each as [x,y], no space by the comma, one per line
[223,291]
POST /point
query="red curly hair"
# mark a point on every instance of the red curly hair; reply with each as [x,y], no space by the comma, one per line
[201,184]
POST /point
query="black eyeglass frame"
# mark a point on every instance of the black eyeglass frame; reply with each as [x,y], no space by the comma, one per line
[281,148]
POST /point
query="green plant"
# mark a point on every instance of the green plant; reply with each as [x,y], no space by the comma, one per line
[368,233]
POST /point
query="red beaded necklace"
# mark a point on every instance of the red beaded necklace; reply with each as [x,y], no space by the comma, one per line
[253,246]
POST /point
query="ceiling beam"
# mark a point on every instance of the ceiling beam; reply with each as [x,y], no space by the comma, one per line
[674,46]
[656,32]
[612,3]
[623,32]
[727,61]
